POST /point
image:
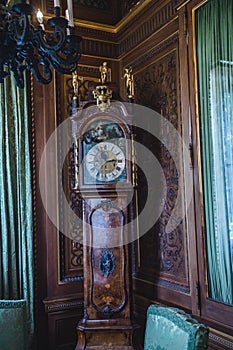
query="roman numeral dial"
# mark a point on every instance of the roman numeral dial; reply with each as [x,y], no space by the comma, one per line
[105,161]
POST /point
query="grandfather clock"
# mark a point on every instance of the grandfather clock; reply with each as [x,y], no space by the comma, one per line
[104,182]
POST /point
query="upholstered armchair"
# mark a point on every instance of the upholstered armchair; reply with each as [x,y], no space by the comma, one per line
[169,328]
[13,334]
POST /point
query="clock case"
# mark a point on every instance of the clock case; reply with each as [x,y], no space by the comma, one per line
[106,207]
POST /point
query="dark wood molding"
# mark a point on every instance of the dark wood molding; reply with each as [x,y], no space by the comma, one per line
[219,342]
[63,305]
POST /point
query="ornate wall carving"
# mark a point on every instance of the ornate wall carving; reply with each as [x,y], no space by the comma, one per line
[157,87]
[70,251]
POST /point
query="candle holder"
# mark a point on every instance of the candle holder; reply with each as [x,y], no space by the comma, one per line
[25,47]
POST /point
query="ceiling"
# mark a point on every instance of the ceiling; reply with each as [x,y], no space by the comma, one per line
[103,12]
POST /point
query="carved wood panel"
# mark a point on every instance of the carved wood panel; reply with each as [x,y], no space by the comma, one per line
[70,254]
[163,255]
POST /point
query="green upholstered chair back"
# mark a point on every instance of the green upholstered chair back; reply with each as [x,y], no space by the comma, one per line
[169,328]
[13,334]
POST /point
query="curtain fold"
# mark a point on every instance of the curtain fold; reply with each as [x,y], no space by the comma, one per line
[16,221]
[214,25]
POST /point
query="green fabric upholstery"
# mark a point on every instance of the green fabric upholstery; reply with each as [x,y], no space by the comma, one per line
[172,329]
[13,325]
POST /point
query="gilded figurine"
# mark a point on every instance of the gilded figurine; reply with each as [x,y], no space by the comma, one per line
[76,79]
[129,82]
[75,82]
[105,72]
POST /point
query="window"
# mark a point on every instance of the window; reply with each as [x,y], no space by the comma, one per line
[214,23]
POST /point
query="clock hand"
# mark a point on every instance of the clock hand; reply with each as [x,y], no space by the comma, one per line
[110,160]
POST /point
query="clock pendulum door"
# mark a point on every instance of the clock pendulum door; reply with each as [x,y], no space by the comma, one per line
[106,323]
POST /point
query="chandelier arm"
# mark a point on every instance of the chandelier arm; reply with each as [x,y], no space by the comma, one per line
[65,69]
[44,79]
[24,47]
[18,71]
[49,46]
[67,60]
[67,65]
[40,67]
[68,55]
[20,31]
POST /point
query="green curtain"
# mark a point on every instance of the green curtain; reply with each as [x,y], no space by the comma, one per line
[214,33]
[16,225]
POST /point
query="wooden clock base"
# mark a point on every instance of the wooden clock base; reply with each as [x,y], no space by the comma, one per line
[104,335]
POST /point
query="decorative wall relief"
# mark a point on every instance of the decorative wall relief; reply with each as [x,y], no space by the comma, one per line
[71,251]
[156,87]
[76,254]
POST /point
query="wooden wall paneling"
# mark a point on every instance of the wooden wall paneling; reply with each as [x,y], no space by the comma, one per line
[50,289]
[98,48]
[158,72]
[152,19]
[187,139]
[196,146]
[158,88]
[63,325]
[39,240]
[44,119]
[70,252]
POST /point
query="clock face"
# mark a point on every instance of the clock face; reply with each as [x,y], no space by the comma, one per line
[104,149]
[105,161]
